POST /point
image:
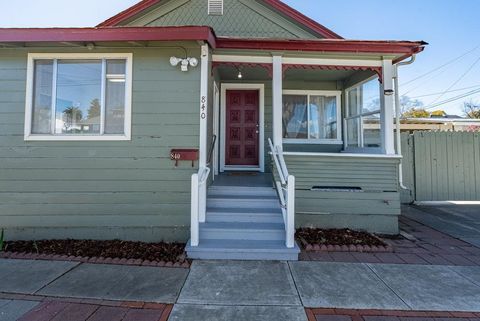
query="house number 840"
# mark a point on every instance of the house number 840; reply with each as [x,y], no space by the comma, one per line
[203,108]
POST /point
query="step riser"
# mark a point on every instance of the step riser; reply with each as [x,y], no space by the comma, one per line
[242,190]
[253,218]
[242,203]
[244,194]
[242,256]
[226,234]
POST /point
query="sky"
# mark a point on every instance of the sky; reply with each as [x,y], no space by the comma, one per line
[449,26]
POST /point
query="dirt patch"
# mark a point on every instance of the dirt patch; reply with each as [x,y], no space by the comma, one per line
[154,252]
[339,240]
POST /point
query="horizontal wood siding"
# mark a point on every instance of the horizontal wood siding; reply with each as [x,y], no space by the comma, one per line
[375,202]
[102,189]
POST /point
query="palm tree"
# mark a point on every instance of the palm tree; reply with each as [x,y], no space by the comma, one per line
[71,116]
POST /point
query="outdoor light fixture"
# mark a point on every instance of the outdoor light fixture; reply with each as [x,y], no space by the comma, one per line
[184,62]
[240,76]
[389,92]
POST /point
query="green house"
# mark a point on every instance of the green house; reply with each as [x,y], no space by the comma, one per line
[227,123]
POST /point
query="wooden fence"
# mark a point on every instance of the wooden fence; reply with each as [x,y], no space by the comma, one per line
[439,166]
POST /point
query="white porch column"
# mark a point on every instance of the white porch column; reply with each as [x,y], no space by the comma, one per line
[277,89]
[203,149]
[387,103]
[203,106]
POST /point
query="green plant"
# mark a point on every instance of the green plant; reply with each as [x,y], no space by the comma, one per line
[2,241]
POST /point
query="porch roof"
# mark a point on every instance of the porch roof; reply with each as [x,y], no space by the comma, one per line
[79,36]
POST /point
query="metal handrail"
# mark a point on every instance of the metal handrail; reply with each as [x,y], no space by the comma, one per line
[286,193]
[212,147]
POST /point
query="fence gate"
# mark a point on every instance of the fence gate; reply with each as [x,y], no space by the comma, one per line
[439,166]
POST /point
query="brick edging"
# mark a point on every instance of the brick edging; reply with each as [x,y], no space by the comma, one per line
[348,248]
[313,312]
[94,260]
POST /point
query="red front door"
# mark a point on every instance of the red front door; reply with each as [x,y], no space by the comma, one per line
[242,128]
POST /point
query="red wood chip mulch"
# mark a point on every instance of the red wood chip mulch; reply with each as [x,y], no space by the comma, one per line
[107,252]
[340,240]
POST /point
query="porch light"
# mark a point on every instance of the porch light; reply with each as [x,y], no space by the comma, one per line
[388,92]
[184,62]
[240,76]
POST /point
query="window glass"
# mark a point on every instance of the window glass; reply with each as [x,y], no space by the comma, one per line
[363,119]
[371,131]
[79,96]
[353,102]
[116,67]
[323,117]
[370,96]
[295,116]
[352,132]
[79,90]
[42,97]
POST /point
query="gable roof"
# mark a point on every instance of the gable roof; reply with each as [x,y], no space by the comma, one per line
[275,5]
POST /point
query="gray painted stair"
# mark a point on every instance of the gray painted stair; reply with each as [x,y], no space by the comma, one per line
[243,223]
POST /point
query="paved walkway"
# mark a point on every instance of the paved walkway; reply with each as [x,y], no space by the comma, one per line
[243,290]
[459,220]
[421,244]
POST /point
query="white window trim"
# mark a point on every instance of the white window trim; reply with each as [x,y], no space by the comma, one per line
[361,148]
[28,136]
[326,93]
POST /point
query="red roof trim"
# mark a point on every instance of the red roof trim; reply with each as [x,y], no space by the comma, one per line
[202,33]
[108,34]
[275,4]
[364,46]
[302,19]
[128,13]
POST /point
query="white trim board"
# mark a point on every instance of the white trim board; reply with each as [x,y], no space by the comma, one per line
[297,60]
[223,108]
[28,136]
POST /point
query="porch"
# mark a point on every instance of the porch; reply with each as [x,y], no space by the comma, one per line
[322,127]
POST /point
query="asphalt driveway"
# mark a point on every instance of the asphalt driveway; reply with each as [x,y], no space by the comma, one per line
[460,220]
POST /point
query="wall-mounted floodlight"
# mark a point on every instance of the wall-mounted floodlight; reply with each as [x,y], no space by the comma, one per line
[184,62]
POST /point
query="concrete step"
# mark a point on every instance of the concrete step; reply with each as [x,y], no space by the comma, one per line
[242,201]
[242,231]
[224,249]
[253,215]
[241,190]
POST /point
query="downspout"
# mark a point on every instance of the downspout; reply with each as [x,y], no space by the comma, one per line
[398,116]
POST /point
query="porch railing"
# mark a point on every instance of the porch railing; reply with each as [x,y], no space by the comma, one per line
[285,186]
[198,203]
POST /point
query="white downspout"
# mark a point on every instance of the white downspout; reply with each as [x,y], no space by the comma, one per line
[398,116]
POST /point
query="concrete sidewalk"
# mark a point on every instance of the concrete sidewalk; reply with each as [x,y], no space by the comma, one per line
[218,290]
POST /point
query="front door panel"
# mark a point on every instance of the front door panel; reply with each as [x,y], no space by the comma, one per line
[242,128]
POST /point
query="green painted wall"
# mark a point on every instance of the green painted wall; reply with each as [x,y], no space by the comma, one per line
[374,207]
[241,18]
[128,190]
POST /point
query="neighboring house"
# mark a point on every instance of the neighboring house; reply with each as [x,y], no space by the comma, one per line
[217,77]
[456,124]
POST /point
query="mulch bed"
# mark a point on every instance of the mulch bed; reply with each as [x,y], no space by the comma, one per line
[106,252]
[340,240]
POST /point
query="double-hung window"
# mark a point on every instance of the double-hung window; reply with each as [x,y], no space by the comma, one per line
[362,121]
[78,97]
[311,117]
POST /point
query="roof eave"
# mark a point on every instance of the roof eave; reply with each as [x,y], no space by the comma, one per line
[111,34]
[403,49]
